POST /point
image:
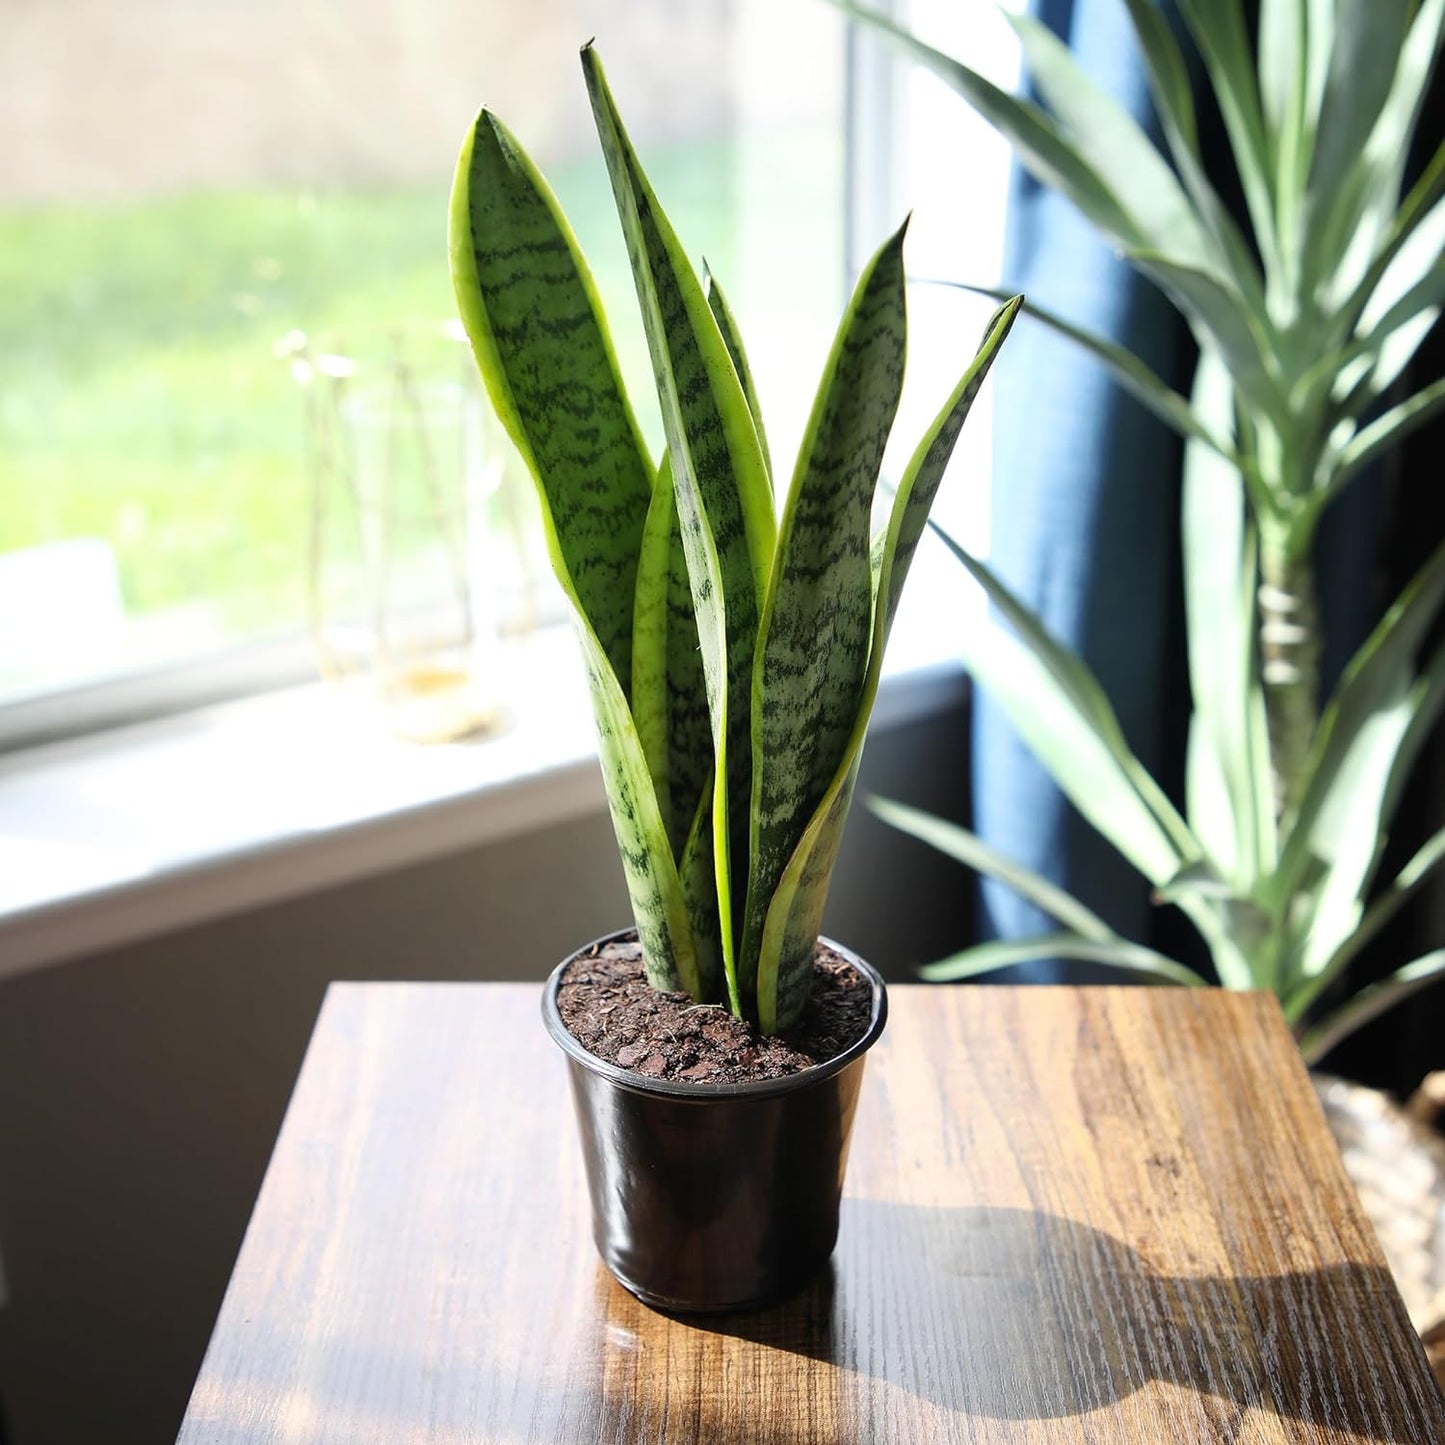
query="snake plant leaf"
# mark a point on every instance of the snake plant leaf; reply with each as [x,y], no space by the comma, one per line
[1133,375]
[1370,1003]
[531,313]
[536,329]
[670,950]
[668,693]
[733,340]
[1222,38]
[1061,712]
[813,641]
[1131,959]
[724,498]
[1100,128]
[795,914]
[970,850]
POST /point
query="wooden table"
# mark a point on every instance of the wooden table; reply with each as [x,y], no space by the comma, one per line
[1082,1215]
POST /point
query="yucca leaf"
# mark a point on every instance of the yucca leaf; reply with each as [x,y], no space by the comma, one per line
[1132,374]
[1032,133]
[813,643]
[1220,576]
[1061,712]
[1369,36]
[1352,825]
[1370,1003]
[1357,190]
[795,913]
[531,313]
[970,850]
[1101,129]
[1389,430]
[1379,677]
[1406,884]
[1131,959]
[1218,317]
[1168,77]
[1421,208]
[1397,317]
[724,498]
[668,693]
[1222,38]
[1284,57]
[733,340]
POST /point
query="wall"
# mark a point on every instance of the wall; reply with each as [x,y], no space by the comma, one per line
[140,1091]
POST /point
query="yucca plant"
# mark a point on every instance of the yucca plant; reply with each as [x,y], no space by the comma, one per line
[1305,317]
[733,657]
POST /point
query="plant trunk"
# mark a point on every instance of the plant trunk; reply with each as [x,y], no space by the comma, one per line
[1289,637]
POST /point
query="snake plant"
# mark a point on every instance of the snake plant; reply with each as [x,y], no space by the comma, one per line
[733,656]
[1306,315]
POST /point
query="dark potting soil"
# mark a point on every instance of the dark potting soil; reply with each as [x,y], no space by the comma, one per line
[613,1012]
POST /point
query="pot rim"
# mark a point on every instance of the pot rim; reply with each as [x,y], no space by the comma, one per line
[702,1092]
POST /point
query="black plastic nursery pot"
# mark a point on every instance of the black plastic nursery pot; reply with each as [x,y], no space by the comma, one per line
[712,1197]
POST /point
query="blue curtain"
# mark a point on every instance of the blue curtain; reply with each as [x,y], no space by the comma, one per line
[1084,512]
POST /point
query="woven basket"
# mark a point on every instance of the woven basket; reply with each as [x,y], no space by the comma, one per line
[1396,1161]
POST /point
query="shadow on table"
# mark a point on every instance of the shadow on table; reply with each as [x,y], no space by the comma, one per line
[1025,1315]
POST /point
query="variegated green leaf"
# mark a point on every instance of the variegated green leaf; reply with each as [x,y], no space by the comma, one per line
[674,957]
[795,912]
[531,312]
[669,700]
[733,340]
[723,495]
[1130,959]
[812,654]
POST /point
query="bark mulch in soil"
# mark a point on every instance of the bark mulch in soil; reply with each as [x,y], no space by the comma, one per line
[614,1013]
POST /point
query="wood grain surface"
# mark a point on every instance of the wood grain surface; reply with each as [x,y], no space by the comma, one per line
[1072,1215]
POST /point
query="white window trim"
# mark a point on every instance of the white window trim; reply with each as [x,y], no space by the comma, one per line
[112,839]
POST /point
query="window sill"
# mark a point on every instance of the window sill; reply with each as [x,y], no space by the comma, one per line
[131,833]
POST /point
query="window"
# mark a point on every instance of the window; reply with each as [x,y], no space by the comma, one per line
[213,214]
